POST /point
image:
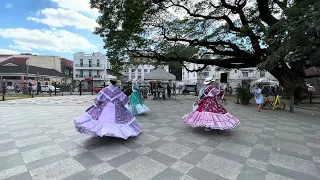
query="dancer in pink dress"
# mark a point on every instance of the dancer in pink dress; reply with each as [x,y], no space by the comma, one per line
[210,114]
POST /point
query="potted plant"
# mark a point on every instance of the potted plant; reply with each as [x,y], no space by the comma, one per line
[244,95]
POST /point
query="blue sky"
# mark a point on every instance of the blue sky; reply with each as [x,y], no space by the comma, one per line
[48,27]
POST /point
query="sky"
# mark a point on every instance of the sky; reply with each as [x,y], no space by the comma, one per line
[48,27]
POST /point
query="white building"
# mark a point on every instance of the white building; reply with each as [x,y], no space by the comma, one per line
[235,76]
[139,72]
[93,66]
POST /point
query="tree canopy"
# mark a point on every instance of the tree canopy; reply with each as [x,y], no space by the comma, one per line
[225,33]
[296,39]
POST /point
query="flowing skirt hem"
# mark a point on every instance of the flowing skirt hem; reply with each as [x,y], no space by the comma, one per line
[138,109]
[85,124]
[211,120]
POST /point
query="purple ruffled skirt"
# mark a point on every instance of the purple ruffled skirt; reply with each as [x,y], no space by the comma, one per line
[106,125]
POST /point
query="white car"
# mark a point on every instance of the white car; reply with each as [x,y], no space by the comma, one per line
[49,88]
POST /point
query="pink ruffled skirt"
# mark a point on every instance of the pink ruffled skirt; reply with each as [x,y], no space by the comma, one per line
[211,120]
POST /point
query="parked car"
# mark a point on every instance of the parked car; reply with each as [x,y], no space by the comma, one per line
[49,89]
[97,89]
[188,89]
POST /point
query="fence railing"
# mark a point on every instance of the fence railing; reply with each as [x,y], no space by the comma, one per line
[38,90]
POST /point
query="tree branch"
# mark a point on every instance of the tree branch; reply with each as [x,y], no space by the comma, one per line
[210,45]
[237,62]
[194,70]
[282,5]
[232,27]
[265,13]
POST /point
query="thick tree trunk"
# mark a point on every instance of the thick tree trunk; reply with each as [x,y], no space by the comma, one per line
[285,75]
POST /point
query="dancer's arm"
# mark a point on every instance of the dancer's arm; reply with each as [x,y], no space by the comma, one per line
[204,95]
[123,99]
[101,97]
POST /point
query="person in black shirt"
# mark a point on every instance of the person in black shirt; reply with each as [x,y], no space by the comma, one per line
[169,90]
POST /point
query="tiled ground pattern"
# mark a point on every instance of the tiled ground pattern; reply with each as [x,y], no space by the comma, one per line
[38,142]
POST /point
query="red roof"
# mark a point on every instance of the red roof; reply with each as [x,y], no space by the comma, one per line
[15,60]
[5,55]
[66,62]
[313,71]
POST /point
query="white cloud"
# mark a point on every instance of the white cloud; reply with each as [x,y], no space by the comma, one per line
[61,17]
[44,39]
[8,51]
[8,6]
[77,5]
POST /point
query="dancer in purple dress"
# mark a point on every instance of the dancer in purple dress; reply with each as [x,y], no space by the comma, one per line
[109,116]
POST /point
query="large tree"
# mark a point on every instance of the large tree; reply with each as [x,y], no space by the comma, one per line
[225,33]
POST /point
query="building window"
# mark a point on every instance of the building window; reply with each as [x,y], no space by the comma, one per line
[98,62]
[139,70]
[145,70]
[81,73]
[206,74]
[90,73]
[245,74]
[139,77]
[133,70]
[262,73]
[98,73]
[81,62]
[90,62]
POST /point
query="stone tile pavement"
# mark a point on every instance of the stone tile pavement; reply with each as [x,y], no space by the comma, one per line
[38,142]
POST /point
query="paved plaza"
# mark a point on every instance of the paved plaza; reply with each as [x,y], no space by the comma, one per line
[38,142]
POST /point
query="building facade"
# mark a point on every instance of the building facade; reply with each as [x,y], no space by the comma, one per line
[138,72]
[234,76]
[56,63]
[90,66]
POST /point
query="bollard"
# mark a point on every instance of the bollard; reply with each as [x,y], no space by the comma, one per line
[3,91]
[291,103]
[80,88]
[91,87]
[104,84]
[55,88]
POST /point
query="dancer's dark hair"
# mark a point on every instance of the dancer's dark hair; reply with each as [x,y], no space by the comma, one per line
[113,82]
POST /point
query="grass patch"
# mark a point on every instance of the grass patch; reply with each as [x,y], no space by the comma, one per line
[15,97]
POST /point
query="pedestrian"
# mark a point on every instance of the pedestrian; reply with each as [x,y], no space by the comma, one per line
[108,116]
[169,90]
[257,91]
[136,105]
[210,114]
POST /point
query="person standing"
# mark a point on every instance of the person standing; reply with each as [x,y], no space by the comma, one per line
[210,114]
[136,105]
[257,91]
[169,90]
[108,116]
